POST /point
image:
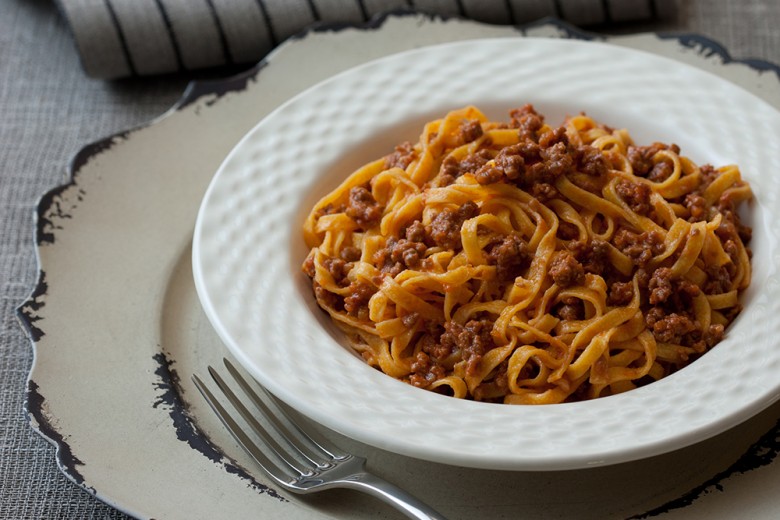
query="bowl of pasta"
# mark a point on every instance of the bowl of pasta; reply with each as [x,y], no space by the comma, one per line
[546,255]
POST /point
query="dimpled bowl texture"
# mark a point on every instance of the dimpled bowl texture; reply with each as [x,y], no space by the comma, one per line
[248,249]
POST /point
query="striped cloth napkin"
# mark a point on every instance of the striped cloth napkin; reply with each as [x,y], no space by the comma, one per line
[117,38]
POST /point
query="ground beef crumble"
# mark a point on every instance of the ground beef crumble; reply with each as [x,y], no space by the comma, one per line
[470,341]
[425,371]
[403,253]
[362,207]
[402,156]
[639,247]
[510,256]
[593,255]
[663,286]
[643,165]
[672,327]
[527,121]
[636,195]
[570,309]
[473,340]
[591,161]
[539,158]
[338,269]
[451,168]
[620,293]
[565,270]
[444,229]
[359,295]
[469,131]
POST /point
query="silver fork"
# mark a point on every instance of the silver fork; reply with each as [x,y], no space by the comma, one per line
[302,461]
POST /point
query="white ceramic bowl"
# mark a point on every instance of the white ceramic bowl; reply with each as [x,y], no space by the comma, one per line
[248,249]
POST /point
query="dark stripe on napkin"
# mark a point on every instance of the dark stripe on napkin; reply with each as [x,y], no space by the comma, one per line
[118,38]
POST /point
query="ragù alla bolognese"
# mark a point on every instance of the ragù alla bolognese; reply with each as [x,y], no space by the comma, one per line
[522,263]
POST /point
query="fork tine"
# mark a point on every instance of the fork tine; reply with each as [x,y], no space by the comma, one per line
[310,441]
[271,468]
[281,453]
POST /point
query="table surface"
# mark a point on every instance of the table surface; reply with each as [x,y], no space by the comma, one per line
[49,109]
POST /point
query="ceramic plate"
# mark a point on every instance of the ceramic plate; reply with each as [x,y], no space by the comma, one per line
[248,249]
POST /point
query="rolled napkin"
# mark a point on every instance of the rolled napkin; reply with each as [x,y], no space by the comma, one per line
[117,38]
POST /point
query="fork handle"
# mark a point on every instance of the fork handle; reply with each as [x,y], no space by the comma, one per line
[393,495]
